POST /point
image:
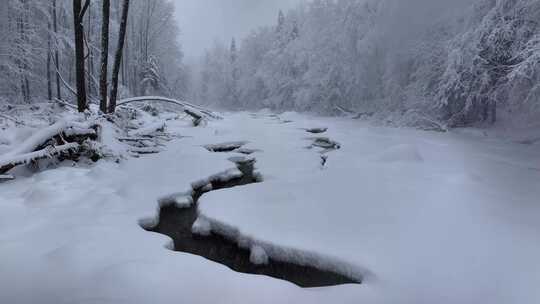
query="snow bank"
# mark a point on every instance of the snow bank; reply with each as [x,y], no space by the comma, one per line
[227,175]
[202,227]
[261,251]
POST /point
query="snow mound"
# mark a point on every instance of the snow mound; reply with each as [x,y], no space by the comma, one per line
[201,227]
[401,153]
[183,201]
[224,176]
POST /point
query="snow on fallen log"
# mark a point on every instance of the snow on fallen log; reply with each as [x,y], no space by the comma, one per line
[316,130]
[225,147]
[63,136]
[145,150]
[7,177]
[9,162]
[189,108]
[40,138]
[132,139]
[197,118]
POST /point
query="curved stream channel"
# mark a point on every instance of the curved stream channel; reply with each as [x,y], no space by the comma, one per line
[176,222]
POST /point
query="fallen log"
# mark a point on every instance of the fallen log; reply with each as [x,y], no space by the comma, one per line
[316,130]
[225,147]
[70,131]
[60,138]
[185,105]
[131,139]
[145,150]
[5,178]
[326,143]
[197,118]
[9,162]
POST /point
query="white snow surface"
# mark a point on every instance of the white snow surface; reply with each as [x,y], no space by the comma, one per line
[460,226]
[201,227]
[401,153]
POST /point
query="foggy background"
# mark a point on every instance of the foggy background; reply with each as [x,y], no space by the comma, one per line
[203,21]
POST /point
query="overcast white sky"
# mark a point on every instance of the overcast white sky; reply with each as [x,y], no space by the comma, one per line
[202,21]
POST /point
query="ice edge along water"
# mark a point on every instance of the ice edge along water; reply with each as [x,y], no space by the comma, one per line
[261,251]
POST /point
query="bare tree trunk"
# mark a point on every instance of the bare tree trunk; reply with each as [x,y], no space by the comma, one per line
[49,54]
[90,62]
[78,15]
[22,61]
[104,56]
[493,111]
[146,31]
[24,21]
[56,56]
[118,56]
[123,65]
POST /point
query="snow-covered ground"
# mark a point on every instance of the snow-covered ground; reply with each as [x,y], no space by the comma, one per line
[423,217]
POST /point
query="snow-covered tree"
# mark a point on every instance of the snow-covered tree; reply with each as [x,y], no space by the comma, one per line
[37,49]
[449,60]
